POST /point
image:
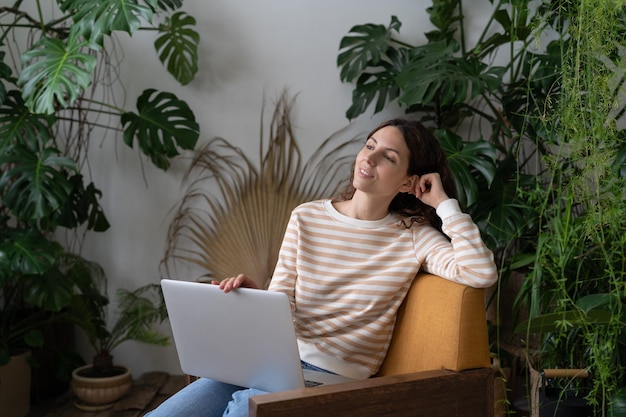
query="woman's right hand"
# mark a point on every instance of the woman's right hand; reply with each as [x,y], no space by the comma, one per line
[240,281]
[429,189]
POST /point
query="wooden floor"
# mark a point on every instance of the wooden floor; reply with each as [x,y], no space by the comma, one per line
[150,390]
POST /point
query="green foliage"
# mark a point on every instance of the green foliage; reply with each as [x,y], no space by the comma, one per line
[465,159]
[19,125]
[575,288]
[163,124]
[366,47]
[83,300]
[617,408]
[177,47]
[94,19]
[137,310]
[32,185]
[435,71]
[136,313]
[35,288]
[82,208]
[56,71]
[25,252]
[52,65]
[551,203]
[450,86]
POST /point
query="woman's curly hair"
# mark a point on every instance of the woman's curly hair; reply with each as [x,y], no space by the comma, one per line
[426,156]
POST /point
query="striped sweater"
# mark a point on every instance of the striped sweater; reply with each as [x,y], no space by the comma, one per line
[346,278]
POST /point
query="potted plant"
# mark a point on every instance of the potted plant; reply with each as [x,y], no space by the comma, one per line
[52,60]
[102,382]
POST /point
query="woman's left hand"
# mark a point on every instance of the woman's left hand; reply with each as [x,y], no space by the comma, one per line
[232,283]
[429,189]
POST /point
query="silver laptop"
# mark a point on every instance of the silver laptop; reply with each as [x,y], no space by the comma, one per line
[245,337]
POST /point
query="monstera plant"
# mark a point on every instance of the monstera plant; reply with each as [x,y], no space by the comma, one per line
[483,97]
[58,83]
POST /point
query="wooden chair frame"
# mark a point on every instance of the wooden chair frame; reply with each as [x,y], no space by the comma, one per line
[438,393]
[438,364]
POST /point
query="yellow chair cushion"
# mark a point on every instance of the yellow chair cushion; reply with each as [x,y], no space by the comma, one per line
[441,325]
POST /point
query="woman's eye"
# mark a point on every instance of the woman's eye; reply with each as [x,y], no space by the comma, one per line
[389,158]
[370,147]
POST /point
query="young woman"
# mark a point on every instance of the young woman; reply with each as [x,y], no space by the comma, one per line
[348,263]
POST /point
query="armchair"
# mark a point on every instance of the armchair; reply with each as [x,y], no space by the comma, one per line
[438,364]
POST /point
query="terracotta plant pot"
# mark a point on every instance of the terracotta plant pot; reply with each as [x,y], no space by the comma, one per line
[15,378]
[99,393]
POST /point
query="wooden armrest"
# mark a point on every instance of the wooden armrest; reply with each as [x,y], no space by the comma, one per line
[437,393]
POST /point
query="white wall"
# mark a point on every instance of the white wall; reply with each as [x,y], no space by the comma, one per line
[248,48]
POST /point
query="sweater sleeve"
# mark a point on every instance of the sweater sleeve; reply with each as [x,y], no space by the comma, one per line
[284,277]
[465,258]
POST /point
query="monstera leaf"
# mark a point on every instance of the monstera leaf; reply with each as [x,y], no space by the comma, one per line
[34,184]
[95,18]
[436,74]
[19,124]
[83,206]
[51,291]
[468,162]
[178,47]
[164,124]
[376,83]
[55,73]
[26,252]
[365,46]
[500,211]
[169,4]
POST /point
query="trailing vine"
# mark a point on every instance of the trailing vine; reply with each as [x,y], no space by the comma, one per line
[577,284]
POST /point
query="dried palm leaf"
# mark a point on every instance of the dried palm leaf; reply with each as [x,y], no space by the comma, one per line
[233,215]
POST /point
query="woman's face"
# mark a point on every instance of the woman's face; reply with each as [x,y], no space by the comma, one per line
[381,166]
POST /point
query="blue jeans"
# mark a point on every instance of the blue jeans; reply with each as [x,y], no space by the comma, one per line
[208,398]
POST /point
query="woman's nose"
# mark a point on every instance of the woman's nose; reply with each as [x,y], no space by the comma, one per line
[371,158]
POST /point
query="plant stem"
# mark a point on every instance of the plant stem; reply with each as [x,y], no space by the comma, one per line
[462,28]
[116,110]
[108,127]
[41,18]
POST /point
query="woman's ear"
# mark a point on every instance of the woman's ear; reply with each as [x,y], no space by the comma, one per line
[409,185]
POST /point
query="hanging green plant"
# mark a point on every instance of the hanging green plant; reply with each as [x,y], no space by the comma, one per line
[575,289]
